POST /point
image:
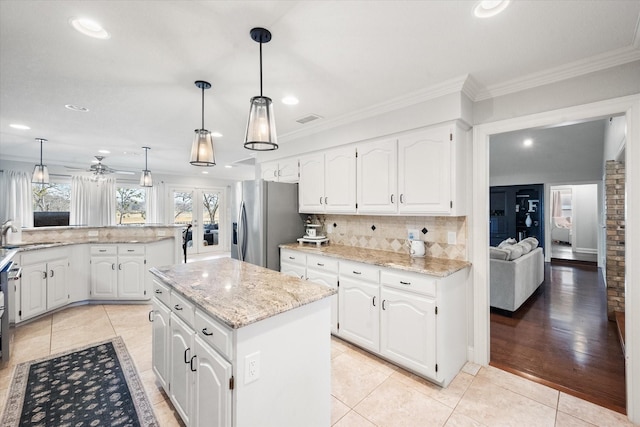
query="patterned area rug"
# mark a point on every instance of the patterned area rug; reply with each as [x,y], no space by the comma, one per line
[93,386]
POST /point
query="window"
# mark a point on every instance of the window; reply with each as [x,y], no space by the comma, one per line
[131,205]
[51,204]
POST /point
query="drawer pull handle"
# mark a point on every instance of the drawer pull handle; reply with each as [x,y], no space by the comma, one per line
[292,257]
[191,364]
[177,307]
[186,354]
[130,250]
[207,333]
[158,291]
[383,301]
[357,272]
[374,301]
[320,264]
[102,250]
[404,283]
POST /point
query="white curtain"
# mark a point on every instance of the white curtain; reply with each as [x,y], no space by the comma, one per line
[17,198]
[93,202]
[556,203]
[157,204]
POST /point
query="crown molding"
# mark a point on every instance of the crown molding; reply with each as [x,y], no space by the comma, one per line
[567,71]
[445,88]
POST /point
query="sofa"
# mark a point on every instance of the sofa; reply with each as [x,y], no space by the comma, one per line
[516,271]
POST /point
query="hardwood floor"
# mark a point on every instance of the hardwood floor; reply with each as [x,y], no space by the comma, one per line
[562,338]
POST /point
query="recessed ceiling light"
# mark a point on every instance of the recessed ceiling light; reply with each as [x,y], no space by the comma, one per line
[89,28]
[216,134]
[19,126]
[290,100]
[228,166]
[205,172]
[76,108]
[527,142]
[489,8]
[104,151]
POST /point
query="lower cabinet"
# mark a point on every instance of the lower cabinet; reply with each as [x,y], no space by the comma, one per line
[118,272]
[212,399]
[180,379]
[44,283]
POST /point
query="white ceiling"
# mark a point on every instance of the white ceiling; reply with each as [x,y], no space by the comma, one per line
[337,57]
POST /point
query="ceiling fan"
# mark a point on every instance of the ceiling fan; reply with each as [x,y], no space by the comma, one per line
[100,169]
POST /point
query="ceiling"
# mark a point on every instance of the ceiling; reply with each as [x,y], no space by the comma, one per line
[337,57]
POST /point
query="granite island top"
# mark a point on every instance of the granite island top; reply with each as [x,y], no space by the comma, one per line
[440,267]
[238,293]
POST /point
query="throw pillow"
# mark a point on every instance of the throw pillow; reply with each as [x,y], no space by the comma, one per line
[507,242]
[526,247]
[515,252]
[533,242]
[497,253]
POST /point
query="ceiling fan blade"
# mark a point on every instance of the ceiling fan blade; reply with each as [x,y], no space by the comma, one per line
[72,168]
[122,172]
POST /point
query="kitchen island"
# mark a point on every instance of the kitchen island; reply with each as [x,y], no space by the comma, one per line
[239,345]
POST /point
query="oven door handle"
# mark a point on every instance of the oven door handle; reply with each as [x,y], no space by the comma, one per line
[15,274]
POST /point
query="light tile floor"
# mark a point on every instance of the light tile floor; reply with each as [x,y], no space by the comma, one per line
[366,391]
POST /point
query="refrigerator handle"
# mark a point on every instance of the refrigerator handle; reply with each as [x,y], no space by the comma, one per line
[241,234]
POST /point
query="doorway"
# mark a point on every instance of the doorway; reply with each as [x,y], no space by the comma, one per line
[201,211]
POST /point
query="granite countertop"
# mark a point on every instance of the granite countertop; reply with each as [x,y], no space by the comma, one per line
[238,293]
[24,246]
[5,257]
[427,265]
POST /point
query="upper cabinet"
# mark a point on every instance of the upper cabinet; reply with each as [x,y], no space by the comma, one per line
[284,170]
[328,182]
[414,173]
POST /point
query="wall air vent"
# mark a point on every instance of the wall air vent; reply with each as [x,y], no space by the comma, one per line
[308,118]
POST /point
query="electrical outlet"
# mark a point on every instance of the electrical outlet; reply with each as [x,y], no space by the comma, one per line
[451,238]
[251,367]
[93,233]
[413,234]
[162,233]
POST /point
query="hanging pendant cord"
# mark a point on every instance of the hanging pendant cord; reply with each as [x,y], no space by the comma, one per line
[146,150]
[202,107]
[260,69]
[40,152]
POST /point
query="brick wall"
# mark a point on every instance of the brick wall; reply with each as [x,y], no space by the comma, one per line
[615,202]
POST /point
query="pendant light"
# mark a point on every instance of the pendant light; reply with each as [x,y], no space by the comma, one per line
[202,149]
[40,171]
[145,178]
[261,127]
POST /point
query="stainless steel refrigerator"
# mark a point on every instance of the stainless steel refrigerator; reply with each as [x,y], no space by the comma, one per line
[264,214]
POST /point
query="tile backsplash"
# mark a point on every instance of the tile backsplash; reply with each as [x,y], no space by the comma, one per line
[389,233]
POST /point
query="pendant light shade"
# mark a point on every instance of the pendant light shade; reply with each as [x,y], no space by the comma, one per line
[40,171]
[261,127]
[202,153]
[145,178]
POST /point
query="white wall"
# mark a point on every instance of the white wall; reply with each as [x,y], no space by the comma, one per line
[585,218]
[615,133]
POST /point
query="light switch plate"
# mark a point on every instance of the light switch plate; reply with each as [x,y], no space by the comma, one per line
[451,238]
[413,234]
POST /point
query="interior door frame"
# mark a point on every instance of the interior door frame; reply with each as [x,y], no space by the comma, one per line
[480,336]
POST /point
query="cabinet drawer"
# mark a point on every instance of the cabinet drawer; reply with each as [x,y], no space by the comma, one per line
[322,263]
[183,308]
[215,334]
[131,250]
[292,257]
[360,271]
[162,292]
[104,250]
[413,282]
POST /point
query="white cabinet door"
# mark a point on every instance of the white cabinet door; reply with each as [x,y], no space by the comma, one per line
[33,292]
[288,170]
[359,313]
[331,280]
[160,342]
[131,279]
[181,379]
[269,171]
[340,180]
[377,177]
[104,277]
[424,171]
[293,270]
[57,283]
[212,399]
[408,330]
[311,187]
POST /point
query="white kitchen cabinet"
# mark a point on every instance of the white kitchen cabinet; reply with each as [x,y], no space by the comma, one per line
[328,182]
[408,330]
[324,270]
[359,305]
[431,171]
[294,270]
[180,378]
[118,272]
[44,284]
[160,336]
[212,396]
[283,170]
[293,263]
[377,177]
